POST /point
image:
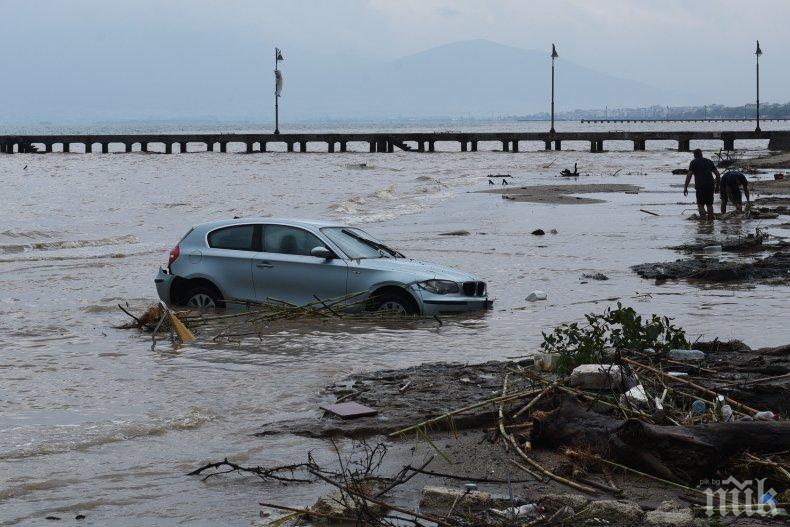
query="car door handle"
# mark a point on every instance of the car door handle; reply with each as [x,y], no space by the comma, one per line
[264,265]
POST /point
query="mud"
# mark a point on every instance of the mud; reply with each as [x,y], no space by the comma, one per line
[715,271]
[561,194]
[780,160]
[750,242]
[405,397]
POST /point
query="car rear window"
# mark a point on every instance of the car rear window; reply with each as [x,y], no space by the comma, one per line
[283,239]
[238,237]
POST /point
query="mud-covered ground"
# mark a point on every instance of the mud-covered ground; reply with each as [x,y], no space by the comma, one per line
[468,448]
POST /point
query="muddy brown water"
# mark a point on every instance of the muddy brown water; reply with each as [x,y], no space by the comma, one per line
[94,422]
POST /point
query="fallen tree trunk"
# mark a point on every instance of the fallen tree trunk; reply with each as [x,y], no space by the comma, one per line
[680,454]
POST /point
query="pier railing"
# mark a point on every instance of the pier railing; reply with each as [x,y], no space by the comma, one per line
[376,142]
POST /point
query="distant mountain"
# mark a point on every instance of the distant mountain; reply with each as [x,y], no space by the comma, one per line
[232,79]
[482,78]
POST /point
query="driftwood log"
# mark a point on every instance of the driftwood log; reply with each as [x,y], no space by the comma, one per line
[675,453]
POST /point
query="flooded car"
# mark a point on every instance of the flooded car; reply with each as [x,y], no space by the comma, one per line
[300,261]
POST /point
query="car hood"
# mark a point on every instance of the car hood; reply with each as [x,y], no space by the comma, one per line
[421,270]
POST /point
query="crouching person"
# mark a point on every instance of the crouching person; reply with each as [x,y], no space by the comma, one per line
[731,183]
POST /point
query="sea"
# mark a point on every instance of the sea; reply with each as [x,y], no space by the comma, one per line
[96,422]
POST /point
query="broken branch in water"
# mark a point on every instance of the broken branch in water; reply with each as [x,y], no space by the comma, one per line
[274,473]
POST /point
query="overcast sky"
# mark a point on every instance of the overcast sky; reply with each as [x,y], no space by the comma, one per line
[695,45]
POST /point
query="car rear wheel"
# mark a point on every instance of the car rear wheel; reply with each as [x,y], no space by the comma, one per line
[397,304]
[202,297]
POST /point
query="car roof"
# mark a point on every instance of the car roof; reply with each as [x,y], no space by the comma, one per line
[294,222]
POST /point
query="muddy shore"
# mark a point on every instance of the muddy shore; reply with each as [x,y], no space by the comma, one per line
[468,448]
[561,194]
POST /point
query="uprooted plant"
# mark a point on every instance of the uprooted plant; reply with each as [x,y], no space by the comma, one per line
[616,329]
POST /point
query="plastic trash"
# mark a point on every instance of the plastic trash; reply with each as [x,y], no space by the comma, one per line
[517,512]
[699,406]
[692,355]
[764,416]
[596,376]
[726,413]
[547,361]
[536,295]
[711,249]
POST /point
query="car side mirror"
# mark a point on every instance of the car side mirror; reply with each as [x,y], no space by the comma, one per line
[321,252]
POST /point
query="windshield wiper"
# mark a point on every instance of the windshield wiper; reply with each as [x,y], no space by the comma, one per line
[376,245]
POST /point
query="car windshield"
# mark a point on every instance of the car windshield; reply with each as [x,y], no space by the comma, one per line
[356,243]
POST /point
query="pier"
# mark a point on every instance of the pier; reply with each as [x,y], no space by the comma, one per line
[372,142]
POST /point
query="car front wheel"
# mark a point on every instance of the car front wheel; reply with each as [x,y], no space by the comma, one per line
[201,297]
[397,304]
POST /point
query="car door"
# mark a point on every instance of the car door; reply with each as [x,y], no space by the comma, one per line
[285,269]
[228,260]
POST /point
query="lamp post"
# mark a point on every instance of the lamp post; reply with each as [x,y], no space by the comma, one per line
[278,88]
[757,54]
[553,57]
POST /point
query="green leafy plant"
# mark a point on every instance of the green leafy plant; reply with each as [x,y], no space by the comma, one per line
[619,329]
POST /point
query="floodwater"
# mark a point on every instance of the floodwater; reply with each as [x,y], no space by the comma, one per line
[95,422]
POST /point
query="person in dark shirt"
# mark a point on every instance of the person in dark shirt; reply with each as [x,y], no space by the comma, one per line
[731,183]
[703,170]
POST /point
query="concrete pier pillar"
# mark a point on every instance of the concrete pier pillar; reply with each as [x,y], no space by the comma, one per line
[381,147]
[105,148]
[290,147]
[249,147]
[343,146]
[87,148]
[431,146]
[421,146]
[557,145]
[547,145]
[729,143]
[463,146]
[303,146]
[330,147]
[372,146]
[144,146]
[223,147]
[67,147]
[263,146]
[594,146]
[182,147]
[474,146]
[599,147]
[506,146]
[168,147]
[390,147]
[47,148]
[684,145]
[127,147]
[515,146]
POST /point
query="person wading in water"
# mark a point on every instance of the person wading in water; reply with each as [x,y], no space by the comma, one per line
[703,170]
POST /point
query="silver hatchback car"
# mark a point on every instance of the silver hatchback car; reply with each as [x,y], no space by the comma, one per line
[299,260]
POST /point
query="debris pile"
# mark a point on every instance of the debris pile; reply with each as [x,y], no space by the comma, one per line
[621,396]
[249,318]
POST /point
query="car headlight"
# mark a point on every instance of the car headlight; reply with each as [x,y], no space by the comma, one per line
[439,287]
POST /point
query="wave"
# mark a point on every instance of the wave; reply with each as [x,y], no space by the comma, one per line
[68,438]
[67,244]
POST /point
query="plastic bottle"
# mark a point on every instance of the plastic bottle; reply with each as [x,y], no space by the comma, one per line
[699,406]
[764,416]
[536,295]
[726,413]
